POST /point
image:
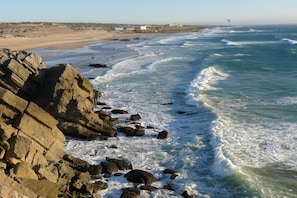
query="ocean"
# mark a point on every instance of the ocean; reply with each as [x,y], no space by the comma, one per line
[226,95]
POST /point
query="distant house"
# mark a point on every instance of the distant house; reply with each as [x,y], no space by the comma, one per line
[119,29]
[175,25]
[142,27]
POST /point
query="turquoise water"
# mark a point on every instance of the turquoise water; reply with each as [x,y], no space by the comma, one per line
[227,95]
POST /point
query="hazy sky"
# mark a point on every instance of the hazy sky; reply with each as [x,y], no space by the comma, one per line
[151,11]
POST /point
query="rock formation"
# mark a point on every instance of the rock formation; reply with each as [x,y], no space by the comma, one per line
[38,105]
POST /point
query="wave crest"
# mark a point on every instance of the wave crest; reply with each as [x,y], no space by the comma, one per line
[289,41]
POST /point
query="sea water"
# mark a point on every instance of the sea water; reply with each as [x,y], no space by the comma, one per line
[226,95]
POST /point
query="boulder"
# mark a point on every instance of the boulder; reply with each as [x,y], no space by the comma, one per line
[140,177]
[130,193]
[129,131]
[162,135]
[135,117]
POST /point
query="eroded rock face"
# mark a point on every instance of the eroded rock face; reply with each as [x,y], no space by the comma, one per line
[34,103]
[71,98]
[59,90]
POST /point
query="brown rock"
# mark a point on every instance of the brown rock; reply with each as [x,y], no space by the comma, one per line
[171,172]
[140,177]
[24,171]
[44,188]
[129,131]
[109,167]
[135,117]
[148,188]
[34,102]
[162,135]
[169,187]
[122,163]
[119,111]
[130,193]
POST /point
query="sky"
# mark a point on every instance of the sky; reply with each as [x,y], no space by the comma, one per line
[191,12]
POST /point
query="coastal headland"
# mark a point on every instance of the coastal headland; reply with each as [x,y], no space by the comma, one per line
[25,36]
[40,107]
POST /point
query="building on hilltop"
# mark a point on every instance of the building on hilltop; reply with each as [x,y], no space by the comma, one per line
[175,25]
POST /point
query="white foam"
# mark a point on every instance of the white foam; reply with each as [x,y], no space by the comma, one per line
[239,43]
[287,101]
[227,42]
[178,39]
[205,80]
[289,41]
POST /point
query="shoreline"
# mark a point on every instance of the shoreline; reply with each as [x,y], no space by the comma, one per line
[61,41]
[19,36]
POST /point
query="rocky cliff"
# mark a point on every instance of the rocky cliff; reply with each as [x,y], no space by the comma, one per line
[38,105]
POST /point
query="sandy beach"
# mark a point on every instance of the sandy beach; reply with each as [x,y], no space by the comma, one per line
[60,38]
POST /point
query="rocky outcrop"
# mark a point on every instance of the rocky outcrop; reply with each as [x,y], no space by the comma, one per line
[59,90]
[37,107]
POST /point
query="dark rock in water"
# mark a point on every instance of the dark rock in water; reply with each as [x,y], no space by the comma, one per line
[130,193]
[162,135]
[101,103]
[168,171]
[113,146]
[138,132]
[169,187]
[140,177]
[122,163]
[106,108]
[129,131]
[150,127]
[119,111]
[185,194]
[181,112]
[148,188]
[126,130]
[171,172]
[98,65]
[109,167]
[135,117]
[168,103]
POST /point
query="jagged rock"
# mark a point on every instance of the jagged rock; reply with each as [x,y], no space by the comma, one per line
[71,98]
[23,170]
[59,90]
[35,104]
